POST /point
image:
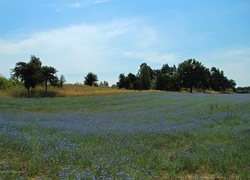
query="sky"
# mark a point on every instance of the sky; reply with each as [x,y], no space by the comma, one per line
[110,37]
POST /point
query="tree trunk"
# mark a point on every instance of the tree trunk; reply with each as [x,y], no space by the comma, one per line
[46,86]
[191,89]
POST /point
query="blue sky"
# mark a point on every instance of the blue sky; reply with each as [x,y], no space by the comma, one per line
[109,37]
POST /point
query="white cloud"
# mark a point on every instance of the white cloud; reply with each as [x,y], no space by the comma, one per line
[76,5]
[234,62]
[87,3]
[153,57]
[103,48]
[101,1]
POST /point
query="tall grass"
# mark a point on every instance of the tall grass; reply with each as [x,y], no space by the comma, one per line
[66,91]
[126,136]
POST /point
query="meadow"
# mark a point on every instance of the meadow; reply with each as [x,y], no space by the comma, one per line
[139,135]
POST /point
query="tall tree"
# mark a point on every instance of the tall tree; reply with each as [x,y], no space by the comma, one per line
[218,81]
[62,80]
[33,73]
[122,81]
[48,74]
[91,79]
[191,74]
[145,74]
[29,73]
[165,78]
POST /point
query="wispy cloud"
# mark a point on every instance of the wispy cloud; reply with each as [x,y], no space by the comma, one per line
[87,3]
[153,57]
[100,1]
[76,5]
[102,48]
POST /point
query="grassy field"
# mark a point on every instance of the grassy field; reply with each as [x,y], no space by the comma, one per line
[68,90]
[146,135]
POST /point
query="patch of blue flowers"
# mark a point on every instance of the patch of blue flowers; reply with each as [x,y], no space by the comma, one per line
[134,136]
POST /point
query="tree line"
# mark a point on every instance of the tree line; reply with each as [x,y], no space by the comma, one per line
[189,74]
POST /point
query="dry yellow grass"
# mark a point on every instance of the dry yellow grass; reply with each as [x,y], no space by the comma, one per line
[83,90]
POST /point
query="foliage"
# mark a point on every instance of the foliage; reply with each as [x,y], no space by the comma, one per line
[218,81]
[104,83]
[243,89]
[126,136]
[6,84]
[167,78]
[62,80]
[129,82]
[48,76]
[192,74]
[145,75]
[33,73]
[189,74]
[91,79]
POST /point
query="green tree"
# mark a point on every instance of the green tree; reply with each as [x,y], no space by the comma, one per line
[192,74]
[54,81]
[62,80]
[48,74]
[145,74]
[218,81]
[29,73]
[122,81]
[91,79]
[33,73]
[166,78]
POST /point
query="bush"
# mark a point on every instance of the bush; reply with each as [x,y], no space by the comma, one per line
[5,83]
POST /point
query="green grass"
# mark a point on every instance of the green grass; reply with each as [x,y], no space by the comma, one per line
[126,136]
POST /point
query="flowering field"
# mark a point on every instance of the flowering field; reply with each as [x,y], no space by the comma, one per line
[126,136]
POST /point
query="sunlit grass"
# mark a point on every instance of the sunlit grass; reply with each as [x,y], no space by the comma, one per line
[84,90]
[66,91]
[126,136]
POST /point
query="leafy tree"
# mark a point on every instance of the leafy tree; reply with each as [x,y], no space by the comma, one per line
[131,80]
[104,83]
[166,78]
[217,81]
[192,74]
[91,79]
[33,73]
[122,81]
[48,74]
[231,84]
[29,73]
[62,80]
[145,74]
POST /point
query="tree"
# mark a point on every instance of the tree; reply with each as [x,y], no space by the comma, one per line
[218,81]
[62,80]
[122,81]
[104,83]
[145,74]
[91,79]
[33,73]
[192,74]
[48,74]
[29,73]
[166,78]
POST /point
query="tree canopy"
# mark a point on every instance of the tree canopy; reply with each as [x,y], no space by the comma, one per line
[189,74]
[91,79]
[33,73]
